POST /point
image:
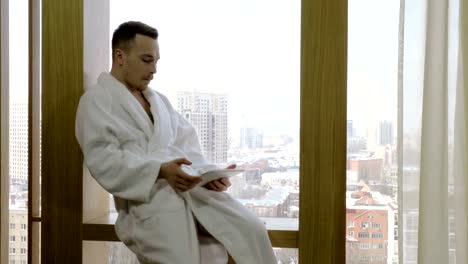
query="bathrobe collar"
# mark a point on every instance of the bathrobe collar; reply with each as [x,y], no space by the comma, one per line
[129,102]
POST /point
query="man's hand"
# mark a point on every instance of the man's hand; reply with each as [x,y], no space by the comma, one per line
[222,184]
[176,177]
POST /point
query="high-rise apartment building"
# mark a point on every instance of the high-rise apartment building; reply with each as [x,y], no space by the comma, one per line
[385,133]
[207,112]
[349,128]
[251,138]
[19,142]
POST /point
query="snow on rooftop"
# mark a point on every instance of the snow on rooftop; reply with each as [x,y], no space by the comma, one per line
[277,195]
[294,208]
[287,175]
[351,239]
[18,204]
[382,200]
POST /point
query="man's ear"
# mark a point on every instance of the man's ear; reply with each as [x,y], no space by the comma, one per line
[119,56]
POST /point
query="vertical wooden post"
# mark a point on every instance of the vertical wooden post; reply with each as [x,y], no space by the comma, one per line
[323,131]
[62,86]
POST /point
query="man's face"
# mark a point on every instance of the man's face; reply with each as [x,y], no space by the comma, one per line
[139,62]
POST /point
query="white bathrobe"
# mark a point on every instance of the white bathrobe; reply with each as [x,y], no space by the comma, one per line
[124,150]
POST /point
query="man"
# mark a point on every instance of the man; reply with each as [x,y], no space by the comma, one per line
[148,156]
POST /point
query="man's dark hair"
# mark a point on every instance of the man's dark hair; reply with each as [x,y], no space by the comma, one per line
[124,35]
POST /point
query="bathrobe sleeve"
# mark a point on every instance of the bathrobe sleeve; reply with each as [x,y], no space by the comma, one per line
[120,170]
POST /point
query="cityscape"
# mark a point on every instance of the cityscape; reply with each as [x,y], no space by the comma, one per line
[270,185]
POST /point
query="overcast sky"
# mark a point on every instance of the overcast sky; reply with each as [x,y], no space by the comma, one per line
[250,50]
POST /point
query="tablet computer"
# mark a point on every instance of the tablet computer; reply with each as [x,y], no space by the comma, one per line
[219,173]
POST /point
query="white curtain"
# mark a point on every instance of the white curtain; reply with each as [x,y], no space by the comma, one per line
[432,133]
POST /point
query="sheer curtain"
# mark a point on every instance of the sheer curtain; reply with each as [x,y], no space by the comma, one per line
[432,133]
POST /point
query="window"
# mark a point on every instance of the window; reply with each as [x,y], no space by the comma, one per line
[364,246]
[23,251]
[18,134]
[269,82]
[372,167]
[233,105]
[23,238]
[363,235]
[377,235]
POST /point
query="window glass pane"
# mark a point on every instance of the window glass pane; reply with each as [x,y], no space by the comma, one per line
[18,132]
[231,68]
[287,255]
[371,196]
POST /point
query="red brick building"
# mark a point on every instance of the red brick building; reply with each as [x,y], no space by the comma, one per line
[367,229]
[367,169]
